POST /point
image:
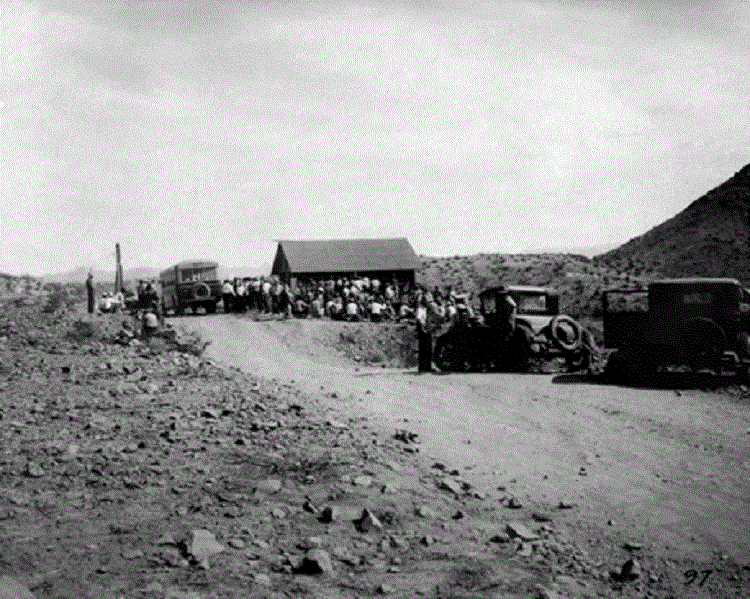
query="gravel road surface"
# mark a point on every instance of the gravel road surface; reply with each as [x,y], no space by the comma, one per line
[664,467]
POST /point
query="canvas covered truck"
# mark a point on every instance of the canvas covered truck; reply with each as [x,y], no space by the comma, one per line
[487,343]
[190,285]
[700,323]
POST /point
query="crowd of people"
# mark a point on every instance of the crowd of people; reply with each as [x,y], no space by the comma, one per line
[344,298]
[351,299]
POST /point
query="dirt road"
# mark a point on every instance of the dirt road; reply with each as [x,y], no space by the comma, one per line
[661,467]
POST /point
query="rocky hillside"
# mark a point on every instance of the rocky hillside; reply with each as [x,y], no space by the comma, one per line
[711,237]
[12,285]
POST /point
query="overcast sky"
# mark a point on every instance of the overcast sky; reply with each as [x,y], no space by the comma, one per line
[208,129]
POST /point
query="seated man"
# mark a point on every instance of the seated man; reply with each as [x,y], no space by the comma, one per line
[377,309]
[150,322]
[352,310]
[316,307]
[300,308]
[405,311]
[337,309]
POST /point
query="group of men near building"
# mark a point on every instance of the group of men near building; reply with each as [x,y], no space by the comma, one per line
[262,294]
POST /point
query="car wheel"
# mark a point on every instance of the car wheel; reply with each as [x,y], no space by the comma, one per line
[565,332]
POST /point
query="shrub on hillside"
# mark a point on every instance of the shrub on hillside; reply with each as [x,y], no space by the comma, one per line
[81,330]
[57,298]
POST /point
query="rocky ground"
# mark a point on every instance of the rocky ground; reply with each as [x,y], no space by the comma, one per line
[149,471]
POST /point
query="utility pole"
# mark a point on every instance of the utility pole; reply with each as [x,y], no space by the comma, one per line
[119,284]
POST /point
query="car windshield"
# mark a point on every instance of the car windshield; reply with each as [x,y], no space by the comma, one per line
[531,304]
[195,275]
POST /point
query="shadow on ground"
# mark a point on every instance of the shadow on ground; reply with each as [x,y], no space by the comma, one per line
[704,381]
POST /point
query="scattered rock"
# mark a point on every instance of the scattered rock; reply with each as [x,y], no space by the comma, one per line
[525,549]
[34,470]
[316,561]
[630,570]
[406,436]
[204,545]
[269,485]
[363,480]
[547,593]
[154,587]
[511,503]
[517,529]
[341,552]
[368,521]
[425,511]
[451,485]
[341,512]
[10,588]
[630,546]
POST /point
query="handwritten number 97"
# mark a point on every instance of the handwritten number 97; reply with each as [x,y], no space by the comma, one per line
[692,575]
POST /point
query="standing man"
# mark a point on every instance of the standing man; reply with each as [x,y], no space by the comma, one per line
[227,296]
[427,322]
[506,311]
[90,292]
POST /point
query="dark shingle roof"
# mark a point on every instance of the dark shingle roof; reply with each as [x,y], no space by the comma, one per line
[349,255]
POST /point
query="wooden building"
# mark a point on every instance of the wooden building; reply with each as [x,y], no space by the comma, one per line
[319,259]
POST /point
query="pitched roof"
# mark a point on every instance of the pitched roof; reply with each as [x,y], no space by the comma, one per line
[348,255]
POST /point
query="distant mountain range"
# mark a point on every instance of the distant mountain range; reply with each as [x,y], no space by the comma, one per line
[78,275]
[710,238]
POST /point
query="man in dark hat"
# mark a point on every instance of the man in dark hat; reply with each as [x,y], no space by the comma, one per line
[428,320]
[506,311]
[90,292]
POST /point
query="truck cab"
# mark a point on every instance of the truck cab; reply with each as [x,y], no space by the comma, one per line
[696,321]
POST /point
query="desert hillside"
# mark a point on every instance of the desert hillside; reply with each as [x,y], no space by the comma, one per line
[711,237]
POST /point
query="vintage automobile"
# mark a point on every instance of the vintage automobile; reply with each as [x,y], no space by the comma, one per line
[700,323]
[487,343]
[190,285]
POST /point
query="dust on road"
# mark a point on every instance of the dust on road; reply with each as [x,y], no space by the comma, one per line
[664,467]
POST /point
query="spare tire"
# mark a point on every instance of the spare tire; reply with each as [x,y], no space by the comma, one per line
[201,291]
[565,332]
